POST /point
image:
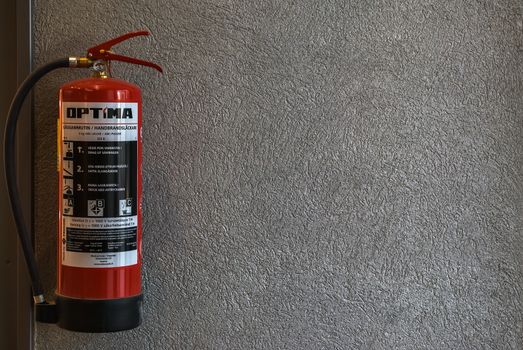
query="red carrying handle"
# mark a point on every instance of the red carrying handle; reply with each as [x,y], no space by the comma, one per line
[103,51]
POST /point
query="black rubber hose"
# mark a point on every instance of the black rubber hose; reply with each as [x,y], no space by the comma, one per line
[10,168]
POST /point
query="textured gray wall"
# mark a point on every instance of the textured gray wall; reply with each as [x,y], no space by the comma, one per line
[317,174]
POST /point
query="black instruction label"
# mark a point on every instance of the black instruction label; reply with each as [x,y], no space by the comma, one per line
[100,178]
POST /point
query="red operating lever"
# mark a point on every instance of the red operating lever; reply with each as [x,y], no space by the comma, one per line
[102,51]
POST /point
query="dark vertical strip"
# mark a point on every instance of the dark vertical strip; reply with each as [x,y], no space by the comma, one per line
[8,238]
[25,160]
[16,325]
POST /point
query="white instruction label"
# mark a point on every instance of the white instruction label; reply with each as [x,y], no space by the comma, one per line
[98,168]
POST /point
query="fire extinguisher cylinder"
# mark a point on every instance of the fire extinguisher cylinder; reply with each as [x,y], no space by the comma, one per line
[99,188]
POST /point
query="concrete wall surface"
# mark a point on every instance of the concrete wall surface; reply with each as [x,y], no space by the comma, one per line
[317,174]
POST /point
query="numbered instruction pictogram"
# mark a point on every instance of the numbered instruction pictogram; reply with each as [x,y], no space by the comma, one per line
[68,186]
[68,149]
[67,167]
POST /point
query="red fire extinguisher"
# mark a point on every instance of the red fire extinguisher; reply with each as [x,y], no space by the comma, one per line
[99,221]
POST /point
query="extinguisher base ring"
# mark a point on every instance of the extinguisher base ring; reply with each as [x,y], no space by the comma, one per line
[99,316]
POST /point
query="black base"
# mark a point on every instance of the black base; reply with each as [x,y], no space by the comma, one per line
[93,316]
